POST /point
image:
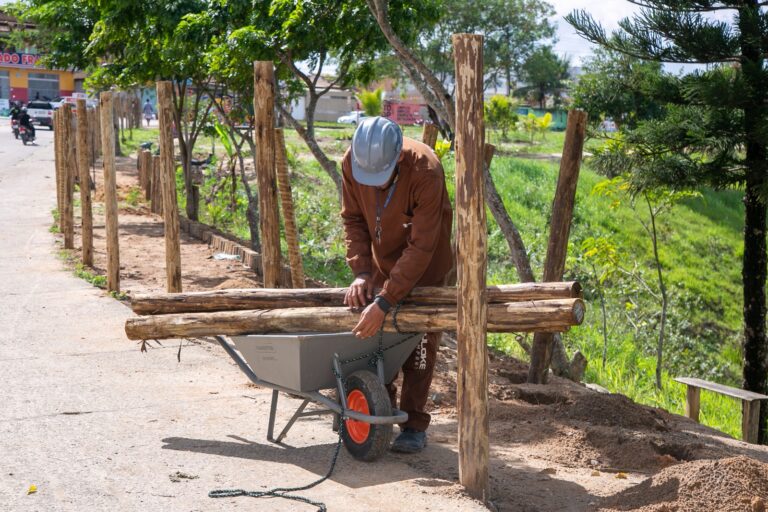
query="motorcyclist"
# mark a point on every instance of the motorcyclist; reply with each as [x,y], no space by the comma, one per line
[15,112]
[26,122]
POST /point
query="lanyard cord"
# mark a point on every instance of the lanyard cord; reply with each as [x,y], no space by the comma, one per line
[380,209]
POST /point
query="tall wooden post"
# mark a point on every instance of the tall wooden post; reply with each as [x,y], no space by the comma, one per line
[471,262]
[110,190]
[289,219]
[168,183]
[58,166]
[156,190]
[264,136]
[85,182]
[69,171]
[560,226]
[429,134]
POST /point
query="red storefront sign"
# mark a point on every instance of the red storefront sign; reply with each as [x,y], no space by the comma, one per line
[21,60]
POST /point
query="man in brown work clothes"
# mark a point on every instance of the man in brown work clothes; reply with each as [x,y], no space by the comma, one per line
[397,220]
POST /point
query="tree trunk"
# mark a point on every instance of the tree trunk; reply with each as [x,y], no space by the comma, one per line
[663,289]
[308,135]
[754,264]
[754,277]
[546,315]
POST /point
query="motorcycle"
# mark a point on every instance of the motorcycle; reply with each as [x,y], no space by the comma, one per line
[15,127]
[26,135]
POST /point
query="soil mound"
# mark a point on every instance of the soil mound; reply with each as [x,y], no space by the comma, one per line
[735,484]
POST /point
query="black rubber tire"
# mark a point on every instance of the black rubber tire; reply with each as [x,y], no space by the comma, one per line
[24,139]
[379,437]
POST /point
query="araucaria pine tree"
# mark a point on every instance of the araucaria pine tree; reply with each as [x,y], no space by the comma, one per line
[713,129]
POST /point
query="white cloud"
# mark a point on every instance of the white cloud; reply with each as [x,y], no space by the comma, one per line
[607,12]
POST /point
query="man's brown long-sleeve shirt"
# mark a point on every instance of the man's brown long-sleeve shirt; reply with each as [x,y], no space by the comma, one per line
[415,245]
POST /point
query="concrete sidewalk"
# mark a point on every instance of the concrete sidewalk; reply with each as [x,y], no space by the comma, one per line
[97,425]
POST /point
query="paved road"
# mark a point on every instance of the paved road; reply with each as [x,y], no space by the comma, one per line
[96,425]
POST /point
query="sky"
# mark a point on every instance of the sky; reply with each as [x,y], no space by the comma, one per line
[607,12]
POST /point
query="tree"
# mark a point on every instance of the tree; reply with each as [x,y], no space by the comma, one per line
[656,201]
[126,44]
[618,86]
[371,101]
[501,114]
[512,29]
[714,130]
[545,74]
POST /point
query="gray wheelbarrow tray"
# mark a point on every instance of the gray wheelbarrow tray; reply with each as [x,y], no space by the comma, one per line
[303,364]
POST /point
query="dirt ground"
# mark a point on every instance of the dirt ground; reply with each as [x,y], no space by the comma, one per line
[589,450]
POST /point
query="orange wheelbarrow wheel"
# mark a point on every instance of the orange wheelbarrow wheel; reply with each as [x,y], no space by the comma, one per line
[367,395]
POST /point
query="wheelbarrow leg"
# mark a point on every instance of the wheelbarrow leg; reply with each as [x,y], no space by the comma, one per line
[293,419]
[272,414]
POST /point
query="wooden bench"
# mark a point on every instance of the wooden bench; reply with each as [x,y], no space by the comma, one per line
[750,404]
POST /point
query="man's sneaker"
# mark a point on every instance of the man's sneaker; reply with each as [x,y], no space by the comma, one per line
[410,441]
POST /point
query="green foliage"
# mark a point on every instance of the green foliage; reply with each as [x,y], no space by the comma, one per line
[55,226]
[545,73]
[620,87]
[372,101]
[533,125]
[133,197]
[501,114]
[511,28]
[442,148]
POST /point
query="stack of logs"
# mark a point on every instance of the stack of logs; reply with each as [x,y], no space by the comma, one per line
[526,307]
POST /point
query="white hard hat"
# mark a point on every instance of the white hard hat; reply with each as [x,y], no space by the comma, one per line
[376,147]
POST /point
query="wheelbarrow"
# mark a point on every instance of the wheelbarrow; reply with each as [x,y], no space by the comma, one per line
[304,364]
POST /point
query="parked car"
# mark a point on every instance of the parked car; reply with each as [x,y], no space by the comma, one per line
[353,117]
[41,113]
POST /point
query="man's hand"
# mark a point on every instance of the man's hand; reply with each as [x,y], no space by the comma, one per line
[360,292]
[370,321]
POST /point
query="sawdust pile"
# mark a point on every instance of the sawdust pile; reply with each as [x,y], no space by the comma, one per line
[735,484]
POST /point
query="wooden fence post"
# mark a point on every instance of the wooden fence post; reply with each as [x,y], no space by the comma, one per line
[85,182]
[110,191]
[289,219]
[168,183]
[429,134]
[471,262]
[145,172]
[69,171]
[156,188]
[58,167]
[560,225]
[264,136]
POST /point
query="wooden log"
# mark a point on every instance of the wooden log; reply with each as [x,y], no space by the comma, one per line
[553,315]
[560,225]
[264,137]
[69,171]
[83,167]
[168,182]
[110,191]
[471,263]
[271,298]
[429,134]
[289,219]
[157,196]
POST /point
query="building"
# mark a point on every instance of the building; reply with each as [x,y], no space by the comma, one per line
[21,79]
[330,106]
